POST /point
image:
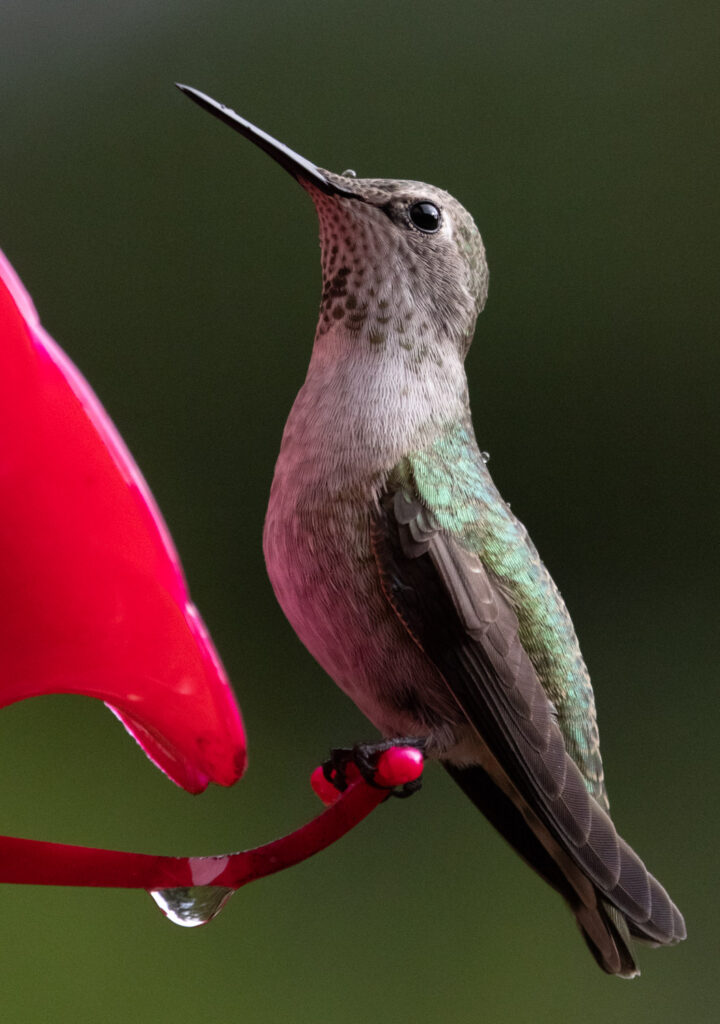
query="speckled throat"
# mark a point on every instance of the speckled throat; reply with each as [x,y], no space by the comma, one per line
[381,283]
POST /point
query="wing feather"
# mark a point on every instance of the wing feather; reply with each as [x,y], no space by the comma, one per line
[461,617]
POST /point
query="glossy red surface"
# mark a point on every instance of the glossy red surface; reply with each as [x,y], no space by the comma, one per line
[399,765]
[92,595]
[27,861]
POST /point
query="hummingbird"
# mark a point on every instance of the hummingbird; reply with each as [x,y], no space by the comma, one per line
[404,572]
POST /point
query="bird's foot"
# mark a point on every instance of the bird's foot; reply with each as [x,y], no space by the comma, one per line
[366,760]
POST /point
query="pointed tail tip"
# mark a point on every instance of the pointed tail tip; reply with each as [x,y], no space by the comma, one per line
[611,937]
[607,937]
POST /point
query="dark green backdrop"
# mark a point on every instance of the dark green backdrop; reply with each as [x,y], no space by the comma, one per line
[179,268]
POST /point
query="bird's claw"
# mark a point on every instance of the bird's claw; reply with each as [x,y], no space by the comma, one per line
[345,763]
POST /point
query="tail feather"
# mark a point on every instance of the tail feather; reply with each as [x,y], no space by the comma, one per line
[606,930]
[607,936]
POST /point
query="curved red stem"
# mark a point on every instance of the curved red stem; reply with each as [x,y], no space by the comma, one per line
[33,862]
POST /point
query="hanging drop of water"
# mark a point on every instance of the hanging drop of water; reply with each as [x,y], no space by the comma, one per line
[190,906]
[485,456]
[349,173]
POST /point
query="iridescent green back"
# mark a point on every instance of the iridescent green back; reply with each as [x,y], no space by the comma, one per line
[452,480]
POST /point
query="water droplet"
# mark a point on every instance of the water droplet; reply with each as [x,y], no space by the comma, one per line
[190,906]
[485,456]
[349,173]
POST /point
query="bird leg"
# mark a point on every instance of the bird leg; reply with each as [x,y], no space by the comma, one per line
[363,759]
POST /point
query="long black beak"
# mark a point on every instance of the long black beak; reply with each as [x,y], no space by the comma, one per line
[297,165]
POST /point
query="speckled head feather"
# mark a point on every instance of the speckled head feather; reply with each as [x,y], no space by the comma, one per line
[384,271]
[384,278]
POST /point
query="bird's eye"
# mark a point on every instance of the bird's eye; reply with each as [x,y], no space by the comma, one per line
[425,216]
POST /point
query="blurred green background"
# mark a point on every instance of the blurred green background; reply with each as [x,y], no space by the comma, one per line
[179,268]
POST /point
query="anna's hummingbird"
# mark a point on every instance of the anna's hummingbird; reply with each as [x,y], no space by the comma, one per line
[404,572]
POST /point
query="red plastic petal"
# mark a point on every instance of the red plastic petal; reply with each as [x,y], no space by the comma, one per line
[93,598]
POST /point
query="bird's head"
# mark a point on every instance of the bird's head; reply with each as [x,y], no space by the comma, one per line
[402,262]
